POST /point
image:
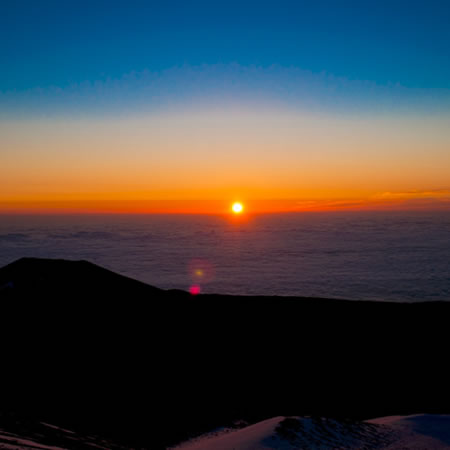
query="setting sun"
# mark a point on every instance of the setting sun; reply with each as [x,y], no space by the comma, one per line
[237,208]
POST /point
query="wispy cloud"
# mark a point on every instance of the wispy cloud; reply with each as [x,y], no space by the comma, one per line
[413,194]
[414,199]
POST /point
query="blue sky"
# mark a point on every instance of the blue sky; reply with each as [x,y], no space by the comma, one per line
[98,57]
[58,43]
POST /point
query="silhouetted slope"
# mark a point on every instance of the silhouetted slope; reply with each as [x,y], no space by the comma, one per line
[90,349]
[52,275]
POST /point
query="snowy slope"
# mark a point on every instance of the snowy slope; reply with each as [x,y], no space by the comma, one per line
[412,432]
[17,434]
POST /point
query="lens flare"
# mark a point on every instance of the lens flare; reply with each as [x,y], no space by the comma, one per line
[237,207]
[194,289]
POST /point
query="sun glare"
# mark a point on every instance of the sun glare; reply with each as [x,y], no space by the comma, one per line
[237,208]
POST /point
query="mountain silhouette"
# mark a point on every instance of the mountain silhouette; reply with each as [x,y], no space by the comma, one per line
[94,351]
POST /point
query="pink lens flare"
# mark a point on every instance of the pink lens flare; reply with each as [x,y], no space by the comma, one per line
[194,290]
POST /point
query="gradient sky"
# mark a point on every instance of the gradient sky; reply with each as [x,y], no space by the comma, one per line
[143,106]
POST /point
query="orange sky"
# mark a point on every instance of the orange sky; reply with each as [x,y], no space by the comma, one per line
[201,160]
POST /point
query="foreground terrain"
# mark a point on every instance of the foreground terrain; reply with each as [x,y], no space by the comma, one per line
[89,350]
[420,431]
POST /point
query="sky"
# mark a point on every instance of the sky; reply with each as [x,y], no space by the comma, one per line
[177,106]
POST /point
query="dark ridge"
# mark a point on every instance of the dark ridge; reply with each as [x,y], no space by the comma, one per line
[52,274]
[100,353]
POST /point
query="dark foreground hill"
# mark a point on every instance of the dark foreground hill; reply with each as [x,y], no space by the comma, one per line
[91,350]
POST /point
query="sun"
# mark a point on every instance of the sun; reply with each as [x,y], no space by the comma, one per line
[237,207]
